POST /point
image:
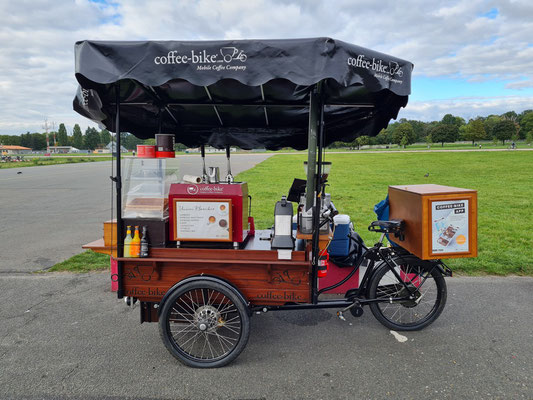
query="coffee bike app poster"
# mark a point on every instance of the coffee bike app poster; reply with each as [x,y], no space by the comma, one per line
[203,220]
[449,226]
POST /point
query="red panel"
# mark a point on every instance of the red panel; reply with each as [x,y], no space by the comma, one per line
[336,274]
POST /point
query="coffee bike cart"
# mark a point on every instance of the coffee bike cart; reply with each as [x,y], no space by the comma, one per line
[202,281]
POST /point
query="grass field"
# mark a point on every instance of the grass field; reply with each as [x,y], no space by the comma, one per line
[83,262]
[358,181]
[37,161]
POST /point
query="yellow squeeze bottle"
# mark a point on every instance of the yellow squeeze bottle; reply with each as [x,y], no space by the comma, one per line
[135,246]
[127,243]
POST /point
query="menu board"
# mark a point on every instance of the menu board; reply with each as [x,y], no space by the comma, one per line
[202,220]
[449,226]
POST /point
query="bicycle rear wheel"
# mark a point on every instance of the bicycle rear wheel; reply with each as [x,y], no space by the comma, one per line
[396,310]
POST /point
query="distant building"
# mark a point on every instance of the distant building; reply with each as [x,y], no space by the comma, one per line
[63,149]
[208,149]
[8,149]
[109,148]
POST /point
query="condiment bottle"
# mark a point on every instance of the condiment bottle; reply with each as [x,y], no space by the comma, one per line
[127,243]
[135,246]
[144,243]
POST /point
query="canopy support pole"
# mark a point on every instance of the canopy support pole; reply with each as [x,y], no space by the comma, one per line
[118,182]
[311,149]
[313,188]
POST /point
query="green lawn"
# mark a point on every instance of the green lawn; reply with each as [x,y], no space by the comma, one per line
[37,161]
[83,262]
[358,181]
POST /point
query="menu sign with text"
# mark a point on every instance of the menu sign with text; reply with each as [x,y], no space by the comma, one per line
[203,220]
[449,226]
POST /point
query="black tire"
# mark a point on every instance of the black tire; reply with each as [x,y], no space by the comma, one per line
[428,285]
[213,324]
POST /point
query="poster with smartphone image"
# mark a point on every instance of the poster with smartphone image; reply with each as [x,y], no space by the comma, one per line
[449,226]
[203,220]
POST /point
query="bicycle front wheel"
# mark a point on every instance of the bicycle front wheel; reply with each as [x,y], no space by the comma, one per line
[408,308]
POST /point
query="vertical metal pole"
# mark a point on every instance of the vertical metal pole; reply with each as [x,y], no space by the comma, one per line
[319,110]
[311,149]
[118,181]
[204,170]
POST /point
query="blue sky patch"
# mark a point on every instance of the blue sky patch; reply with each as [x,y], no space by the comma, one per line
[425,88]
[492,14]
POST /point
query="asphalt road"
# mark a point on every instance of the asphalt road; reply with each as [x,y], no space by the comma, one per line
[47,213]
[67,335]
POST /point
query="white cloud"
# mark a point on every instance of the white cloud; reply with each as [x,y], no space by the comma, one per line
[442,38]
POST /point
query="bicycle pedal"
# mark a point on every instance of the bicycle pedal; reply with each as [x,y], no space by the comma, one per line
[341,316]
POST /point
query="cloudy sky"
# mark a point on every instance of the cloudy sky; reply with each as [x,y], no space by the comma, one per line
[472,57]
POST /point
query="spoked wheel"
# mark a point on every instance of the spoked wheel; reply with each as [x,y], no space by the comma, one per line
[411,308]
[204,324]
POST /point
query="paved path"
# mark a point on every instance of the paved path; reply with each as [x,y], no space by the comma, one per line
[67,335]
[47,213]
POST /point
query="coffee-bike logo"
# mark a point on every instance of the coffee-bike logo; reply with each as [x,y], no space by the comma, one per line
[225,55]
[382,69]
[192,189]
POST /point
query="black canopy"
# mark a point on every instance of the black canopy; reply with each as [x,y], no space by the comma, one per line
[248,93]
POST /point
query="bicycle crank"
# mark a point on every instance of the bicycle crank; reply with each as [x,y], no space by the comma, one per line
[355,309]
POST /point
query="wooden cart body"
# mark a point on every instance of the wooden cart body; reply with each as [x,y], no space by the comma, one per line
[256,271]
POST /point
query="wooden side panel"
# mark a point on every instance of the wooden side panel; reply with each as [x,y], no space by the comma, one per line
[261,283]
[408,206]
[414,207]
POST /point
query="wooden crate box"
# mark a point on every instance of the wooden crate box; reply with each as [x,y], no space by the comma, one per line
[440,221]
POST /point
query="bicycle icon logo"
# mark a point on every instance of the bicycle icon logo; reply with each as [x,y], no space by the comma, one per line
[230,54]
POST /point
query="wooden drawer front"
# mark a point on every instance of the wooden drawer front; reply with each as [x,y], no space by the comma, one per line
[260,283]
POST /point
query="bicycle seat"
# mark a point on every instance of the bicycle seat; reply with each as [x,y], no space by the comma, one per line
[393,226]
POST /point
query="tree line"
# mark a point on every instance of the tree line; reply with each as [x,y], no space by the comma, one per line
[91,139]
[507,126]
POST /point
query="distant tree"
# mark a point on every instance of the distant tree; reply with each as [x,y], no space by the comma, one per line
[529,137]
[520,120]
[62,137]
[91,138]
[384,137]
[475,130]
[362,141]
[526,124]
[403,134]
[77,137]
[429,140]
[418,128]
[182,147]
[489,124]
[504,130]
[129,141]
[449,119]
[105,137]
[10,140]
[151,142]
[510,115]
[444,133]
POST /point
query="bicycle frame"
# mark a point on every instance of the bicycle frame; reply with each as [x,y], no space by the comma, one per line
[356,296]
